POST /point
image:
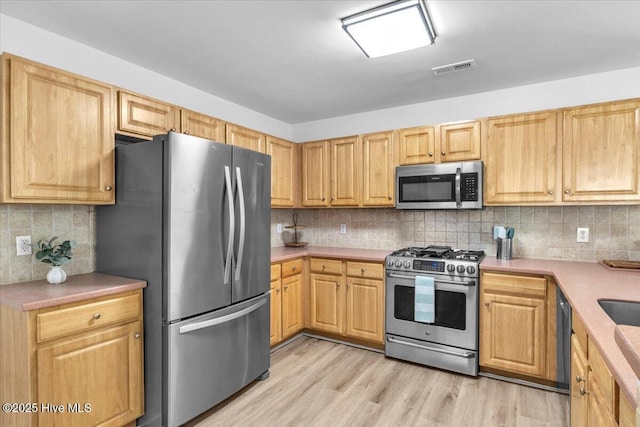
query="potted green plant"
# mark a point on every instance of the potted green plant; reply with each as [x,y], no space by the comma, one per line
[57,255]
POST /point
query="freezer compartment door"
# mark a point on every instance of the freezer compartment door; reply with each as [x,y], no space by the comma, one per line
[252,246]
[197,187]
[210,357]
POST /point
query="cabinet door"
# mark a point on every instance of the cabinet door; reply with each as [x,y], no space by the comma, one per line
[326,303]
[315,173]
[598,413]
[58,137]
[513,334]
[521,159]
[579,396]
[145,117]
[601,153]
[276,312]
[345,172]
[378,170]
[365,309]
[245,138]
[101,369]
[292,309]
[196,124]
[283,172]
[460,141]
[416,145]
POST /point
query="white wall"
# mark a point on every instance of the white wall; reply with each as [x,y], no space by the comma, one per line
[614,85]
[28,41]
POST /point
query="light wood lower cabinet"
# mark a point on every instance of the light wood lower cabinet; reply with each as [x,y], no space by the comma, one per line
[517,325]
[287,309]
[83,359]
[347,298]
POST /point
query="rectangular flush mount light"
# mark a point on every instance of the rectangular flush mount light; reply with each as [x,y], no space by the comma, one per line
[391,28]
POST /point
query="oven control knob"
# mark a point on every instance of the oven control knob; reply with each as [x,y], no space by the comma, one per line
[471,269]
[460,269]
[407,264]
[398,263]
[390,263]
[451,268]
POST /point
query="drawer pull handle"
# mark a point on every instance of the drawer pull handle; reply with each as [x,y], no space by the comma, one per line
[96,316]
[137,335]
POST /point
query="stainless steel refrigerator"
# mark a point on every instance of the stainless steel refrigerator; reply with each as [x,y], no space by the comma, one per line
[192,218]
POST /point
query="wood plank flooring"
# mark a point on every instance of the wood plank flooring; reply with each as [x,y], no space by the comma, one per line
[320,383]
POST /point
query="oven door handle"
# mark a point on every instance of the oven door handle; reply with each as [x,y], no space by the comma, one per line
[448,282]
[465,355]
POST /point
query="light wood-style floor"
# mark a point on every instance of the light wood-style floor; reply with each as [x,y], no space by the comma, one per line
[320,383]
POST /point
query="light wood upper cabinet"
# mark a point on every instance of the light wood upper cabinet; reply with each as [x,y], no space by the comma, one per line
[145,117]
[521,159]
[378,169]
[345,172]
[315,173]
[284,172]
[517,324]
[57,136]
[245,138]
[416,145]
[601,152]
[196,124]
[459,141]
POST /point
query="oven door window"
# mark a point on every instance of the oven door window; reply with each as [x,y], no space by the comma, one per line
[450,307]
[427,188]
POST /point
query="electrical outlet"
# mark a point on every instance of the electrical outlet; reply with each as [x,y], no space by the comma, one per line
[23,245]
[343,228]
[278,228]
[582,235]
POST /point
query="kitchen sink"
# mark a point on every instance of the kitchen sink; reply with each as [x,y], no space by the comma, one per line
[622,312]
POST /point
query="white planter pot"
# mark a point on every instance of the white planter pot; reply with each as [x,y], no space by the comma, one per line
[56,275]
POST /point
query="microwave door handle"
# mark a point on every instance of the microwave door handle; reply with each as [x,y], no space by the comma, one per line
[458,188]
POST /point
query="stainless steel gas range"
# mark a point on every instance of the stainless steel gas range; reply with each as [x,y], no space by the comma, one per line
[451,341]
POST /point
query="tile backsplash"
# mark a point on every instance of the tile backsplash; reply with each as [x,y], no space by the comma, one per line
[541,232]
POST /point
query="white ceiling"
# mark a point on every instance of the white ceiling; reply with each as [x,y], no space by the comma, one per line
[292,61]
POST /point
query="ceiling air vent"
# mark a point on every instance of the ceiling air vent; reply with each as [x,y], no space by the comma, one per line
[452,68]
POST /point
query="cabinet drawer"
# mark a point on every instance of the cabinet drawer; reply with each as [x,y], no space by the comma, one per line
[290,268]
[88,316]
[604,378]
[326,266]
[275,272]
[528,286]
[365,269]
[579,331]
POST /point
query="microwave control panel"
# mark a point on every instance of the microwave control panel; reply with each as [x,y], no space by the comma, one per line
[469,187]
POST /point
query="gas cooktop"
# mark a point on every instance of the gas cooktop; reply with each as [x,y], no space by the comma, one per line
[437,259]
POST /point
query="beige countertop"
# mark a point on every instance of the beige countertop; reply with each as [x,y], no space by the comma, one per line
[283,253]
[37,294]
[583,283]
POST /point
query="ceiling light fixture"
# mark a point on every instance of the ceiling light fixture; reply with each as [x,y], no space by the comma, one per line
[391,28]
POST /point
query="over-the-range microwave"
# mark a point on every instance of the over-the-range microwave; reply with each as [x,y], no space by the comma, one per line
[439,186]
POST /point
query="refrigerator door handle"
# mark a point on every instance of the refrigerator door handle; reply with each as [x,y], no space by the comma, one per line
[232,224]
[243,217]
[224,319]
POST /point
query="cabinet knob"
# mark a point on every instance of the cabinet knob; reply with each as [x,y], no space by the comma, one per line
[108,188]
[579,378]
[362,270]
[337,286]
[443,153]
[583,391]
[322,199]
[487,304]
[293,268]
[277,290]
[172,129]
[567,191]
[430,153]
[186,132]
[137,335]
[390,197]
[286,287]
[347,285]
[324,266]
[550,191]
[96,316]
